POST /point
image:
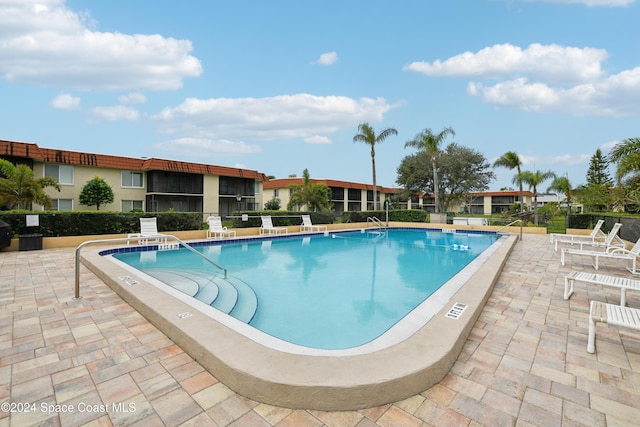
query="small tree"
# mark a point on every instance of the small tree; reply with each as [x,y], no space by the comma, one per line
[598,172]
[19,187]
[273,204]
[96,192]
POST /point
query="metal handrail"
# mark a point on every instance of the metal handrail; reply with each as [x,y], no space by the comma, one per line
[509,225]
[128,239]
[375,221]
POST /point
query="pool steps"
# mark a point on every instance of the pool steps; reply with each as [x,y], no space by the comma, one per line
[231,295]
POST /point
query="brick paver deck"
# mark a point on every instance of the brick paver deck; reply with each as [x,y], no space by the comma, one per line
[525,362]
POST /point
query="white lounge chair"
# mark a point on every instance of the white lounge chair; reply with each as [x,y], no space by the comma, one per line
[622,283]
[611,239]
[596,234]
[307,225]
[268,228]
[217,230]
[148,232]
[613,315]
[610,253]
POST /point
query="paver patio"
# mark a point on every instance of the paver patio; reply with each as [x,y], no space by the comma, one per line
[524,364]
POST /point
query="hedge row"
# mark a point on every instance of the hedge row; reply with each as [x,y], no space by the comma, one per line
[81,223]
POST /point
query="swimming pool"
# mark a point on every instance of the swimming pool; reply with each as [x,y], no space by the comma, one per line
[413,355]
[324,291]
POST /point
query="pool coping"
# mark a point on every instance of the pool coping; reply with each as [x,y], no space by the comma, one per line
[313,381]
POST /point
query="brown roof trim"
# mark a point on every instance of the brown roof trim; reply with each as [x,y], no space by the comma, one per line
[49,155]
[285,182]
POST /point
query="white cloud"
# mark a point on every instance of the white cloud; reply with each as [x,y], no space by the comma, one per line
[592,3]
[317,139]
[278,117]
[44,42]
[328,58]
[65,102]
[616,96]
[549,62]
[204,147]
[570,159]
[542,78]
[609,145]
[133,98]
[117,113]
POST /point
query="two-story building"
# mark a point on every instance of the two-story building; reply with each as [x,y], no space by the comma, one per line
[353,196]
[345,195]
[148,184]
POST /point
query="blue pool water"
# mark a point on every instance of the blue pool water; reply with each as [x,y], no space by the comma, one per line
[333,291]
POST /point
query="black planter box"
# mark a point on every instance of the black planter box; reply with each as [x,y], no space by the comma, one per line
[30,242]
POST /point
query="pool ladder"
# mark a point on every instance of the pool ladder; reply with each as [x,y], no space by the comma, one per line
[375,222]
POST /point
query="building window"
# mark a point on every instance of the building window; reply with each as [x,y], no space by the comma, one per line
[276,192]
[131,205]
[61,173]
[132,179]
[62,204]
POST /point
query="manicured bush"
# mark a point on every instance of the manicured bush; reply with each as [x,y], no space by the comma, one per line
[80,223]
[400,215]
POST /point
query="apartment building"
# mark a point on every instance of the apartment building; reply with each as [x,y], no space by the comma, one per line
[353,196]
[345,195]
[148,184]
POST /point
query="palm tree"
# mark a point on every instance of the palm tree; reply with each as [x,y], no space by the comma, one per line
[533,179]
[562,185]
[627,155]
[430,143]
[368,136]
[19,188]
[511,160]
[313,196]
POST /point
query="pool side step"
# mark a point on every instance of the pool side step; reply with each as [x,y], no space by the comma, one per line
[247,304]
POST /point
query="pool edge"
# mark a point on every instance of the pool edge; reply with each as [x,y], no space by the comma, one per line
[315,382]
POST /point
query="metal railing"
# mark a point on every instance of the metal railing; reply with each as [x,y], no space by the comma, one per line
[375,221]
[510,224]
[129,239]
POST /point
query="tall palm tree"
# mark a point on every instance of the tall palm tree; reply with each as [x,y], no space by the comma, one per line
[367,135]
[430,143]
[562,185]
[627,155]
[19,187]
[511,160]
[533,179]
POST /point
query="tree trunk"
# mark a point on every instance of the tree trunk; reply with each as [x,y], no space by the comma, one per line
[435,185]
[373,167]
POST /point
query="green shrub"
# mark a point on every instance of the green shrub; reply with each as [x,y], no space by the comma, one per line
[81,223]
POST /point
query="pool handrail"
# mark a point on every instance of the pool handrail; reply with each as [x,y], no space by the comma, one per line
[128,239]
[375,221]
[510,224]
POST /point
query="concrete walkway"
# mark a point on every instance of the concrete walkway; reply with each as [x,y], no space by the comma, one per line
[98,362]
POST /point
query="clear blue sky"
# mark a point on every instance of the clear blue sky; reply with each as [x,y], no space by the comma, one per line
[279,86]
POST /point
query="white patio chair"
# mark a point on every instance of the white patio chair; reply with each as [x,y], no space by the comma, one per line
[268,228]
[217,230]
[611,239]
[596,234]
[307,225]
[610,253]
[613,315]
[617,282]
[148,232]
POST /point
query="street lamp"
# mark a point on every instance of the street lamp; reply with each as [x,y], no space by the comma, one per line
[239,200]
